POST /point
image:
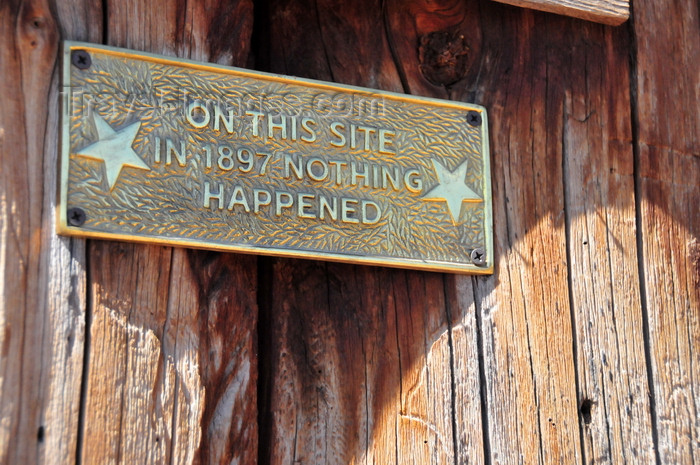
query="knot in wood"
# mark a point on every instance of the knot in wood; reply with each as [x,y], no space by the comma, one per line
[443,57]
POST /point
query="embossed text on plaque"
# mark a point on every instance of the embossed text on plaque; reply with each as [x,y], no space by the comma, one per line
[157,149]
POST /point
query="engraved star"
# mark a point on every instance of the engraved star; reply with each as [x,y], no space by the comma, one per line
[114,149]
[452,189]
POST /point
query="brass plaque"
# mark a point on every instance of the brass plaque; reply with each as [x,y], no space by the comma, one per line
[169,151]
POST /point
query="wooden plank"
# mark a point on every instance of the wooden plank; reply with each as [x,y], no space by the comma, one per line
[67,276]
[124,351]
[667,82]
[171,367]
[598,181]
[169,372]
[471,435]
[359,366]
[611,12]
[42,277]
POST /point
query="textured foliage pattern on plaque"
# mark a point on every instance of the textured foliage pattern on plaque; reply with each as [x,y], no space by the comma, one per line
[197,153]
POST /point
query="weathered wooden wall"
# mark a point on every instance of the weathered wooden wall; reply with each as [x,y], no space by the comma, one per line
[581,348]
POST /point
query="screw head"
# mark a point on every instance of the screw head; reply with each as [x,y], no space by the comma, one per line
[80,59]
[474,118]
[76,216]
[478,256]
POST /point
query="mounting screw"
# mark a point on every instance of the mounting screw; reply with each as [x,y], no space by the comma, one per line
[80,59]
[478,256]
[474,118]
[76,216]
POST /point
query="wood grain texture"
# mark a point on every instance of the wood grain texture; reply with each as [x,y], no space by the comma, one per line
[66,287]
[613,391]
[42,277]
[366,378]
[447,30]
[358,360]
[171,367]
[613,12]
[170,376]
[668,185]
[581,348]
